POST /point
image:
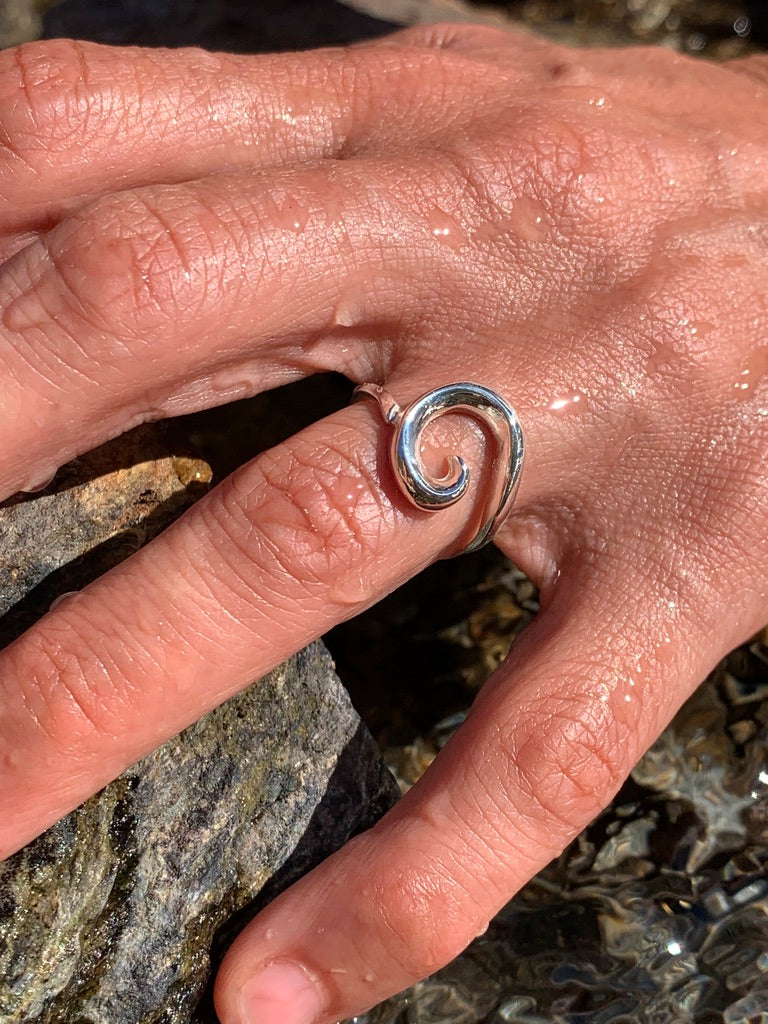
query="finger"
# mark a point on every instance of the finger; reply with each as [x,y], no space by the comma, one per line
[544,749]
[307,535]
[78,120]
[165,300]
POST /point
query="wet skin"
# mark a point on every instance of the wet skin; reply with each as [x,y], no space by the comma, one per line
[584,232]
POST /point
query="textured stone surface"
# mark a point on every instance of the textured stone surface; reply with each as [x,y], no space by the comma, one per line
[20,20]
[109,501]
[110,916]
[117,913]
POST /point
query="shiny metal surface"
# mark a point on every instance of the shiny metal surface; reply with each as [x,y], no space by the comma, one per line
[431,494]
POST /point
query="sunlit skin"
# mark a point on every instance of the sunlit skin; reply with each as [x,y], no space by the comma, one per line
[585,232]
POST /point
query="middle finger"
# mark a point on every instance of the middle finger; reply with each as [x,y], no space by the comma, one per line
[79,120]
[159,301]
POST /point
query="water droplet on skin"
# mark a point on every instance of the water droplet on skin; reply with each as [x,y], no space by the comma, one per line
[348,310]
[568,401]
[234,383]
[752,373]
[346,491]
[528,219]
[287,116]
[63,597]
[663,354]
[18,317]
[664,651]
[350,591]
[333,207]
[601,693]
[369,977]
[700,329]
[287,212]
[445,229]
[39,480]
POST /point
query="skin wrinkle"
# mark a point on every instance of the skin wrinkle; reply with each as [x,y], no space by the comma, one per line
[571,777]
[58,681]
[226,603]
[67,254]
[45,363]
[329,530]
[492,849]
[25,82]
[418,913]
[264,554]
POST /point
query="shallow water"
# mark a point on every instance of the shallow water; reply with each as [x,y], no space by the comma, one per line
[658,912]
[710,28]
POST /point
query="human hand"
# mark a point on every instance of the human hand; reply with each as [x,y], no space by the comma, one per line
[584,232]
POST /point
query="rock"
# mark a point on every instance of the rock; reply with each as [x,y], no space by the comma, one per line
[96,511]
[110,915]
[117,914]
[20,20]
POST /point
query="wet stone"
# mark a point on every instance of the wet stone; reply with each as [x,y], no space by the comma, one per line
[116,913]
[120,912]
[97,509]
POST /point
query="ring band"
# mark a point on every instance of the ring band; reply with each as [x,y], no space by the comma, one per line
[430,494]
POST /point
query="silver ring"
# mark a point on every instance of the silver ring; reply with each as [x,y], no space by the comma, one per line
[432,495]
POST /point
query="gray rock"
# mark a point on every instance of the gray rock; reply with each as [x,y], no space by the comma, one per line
[108,502]
[110,916]
[20,20]
[118,913]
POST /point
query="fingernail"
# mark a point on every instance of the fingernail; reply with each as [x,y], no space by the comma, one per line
[281,993]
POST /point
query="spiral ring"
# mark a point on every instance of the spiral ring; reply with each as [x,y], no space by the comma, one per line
[411,422]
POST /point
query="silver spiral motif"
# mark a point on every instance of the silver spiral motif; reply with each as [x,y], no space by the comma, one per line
[431,494]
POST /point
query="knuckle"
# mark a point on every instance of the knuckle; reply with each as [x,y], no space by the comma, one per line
[537,171]
[306,519]
[63,685]
[40,109]
[424,916]
[319,515]
[569,761]
[445,35]
[531,149]
[123,265]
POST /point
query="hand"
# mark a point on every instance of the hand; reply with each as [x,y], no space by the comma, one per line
[584,232]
